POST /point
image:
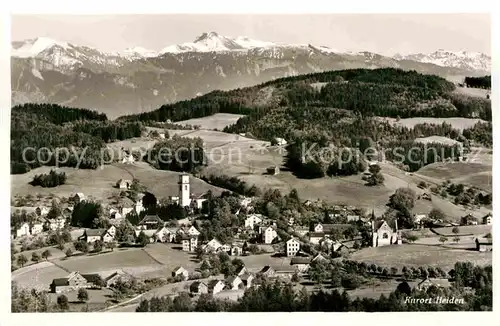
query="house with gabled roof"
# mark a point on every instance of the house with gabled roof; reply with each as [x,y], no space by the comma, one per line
[42,211]
[484,244]
[318,257]
[75,281]
[488,219]
[198,287]
[23,230]
[269,234]
[301,263]
[233,283]
[316,237]
[150,222]
[163,234]
[78,197]
[438,282]
[212,245]
[189,242]
[180,271]
[215,286]
[252,220]
[92,235]
[241,270]
[267,271]
[247,279]
[123,184]
[111,279]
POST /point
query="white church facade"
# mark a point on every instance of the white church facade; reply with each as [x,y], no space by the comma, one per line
[384,235]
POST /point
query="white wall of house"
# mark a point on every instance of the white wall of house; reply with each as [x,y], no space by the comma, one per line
[292,247]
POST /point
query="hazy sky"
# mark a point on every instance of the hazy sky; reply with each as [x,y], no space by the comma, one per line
[385,34]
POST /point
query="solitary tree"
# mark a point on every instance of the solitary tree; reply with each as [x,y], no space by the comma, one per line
[35,257]
[97,246]
[456,239]
[46,254]
[443,239]
[83,295]
[142,239]
[111,245]
[69,252]
[62,302]
[455,230]
[394,271]
[21,260]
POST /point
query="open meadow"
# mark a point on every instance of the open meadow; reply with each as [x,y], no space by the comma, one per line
[99,184]
[416,255]
[217,121]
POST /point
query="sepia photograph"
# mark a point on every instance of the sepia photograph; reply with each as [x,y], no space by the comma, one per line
[336,162]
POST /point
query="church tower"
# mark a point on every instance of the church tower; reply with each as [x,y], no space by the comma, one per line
[184,191]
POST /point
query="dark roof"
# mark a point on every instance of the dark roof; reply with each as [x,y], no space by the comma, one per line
[177,268]
[60,281]
[94,232]
[92,278]
[195,285]
[266,269]
[151,219]
[300,260]
[285,269]
[240,269]
[316,234]
[484,241]
[213,283]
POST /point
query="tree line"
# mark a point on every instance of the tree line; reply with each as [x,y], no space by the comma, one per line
[53,179]
[478,82]
[52,135]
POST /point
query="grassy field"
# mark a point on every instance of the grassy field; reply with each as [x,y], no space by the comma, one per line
[420,255]
[118,259]
[98,299]
[170,256]
[476,92]
[99,183]
[38,276]
[217,121]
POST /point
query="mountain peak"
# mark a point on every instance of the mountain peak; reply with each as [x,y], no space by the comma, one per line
[33,47]
[207,35]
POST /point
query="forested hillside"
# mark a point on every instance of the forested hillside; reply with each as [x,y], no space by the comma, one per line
[79,134]
[383,92]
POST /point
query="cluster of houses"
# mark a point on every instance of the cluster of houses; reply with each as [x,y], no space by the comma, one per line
[76,280]
[41,222]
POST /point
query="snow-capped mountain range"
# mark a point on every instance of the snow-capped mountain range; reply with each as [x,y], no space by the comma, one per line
[214,42]
[138,79]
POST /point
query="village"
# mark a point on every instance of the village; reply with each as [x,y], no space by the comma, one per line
[286,250]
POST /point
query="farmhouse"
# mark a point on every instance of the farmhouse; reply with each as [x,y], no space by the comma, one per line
[488,219]
[213,245]
[163,235]
[78,197]
[279,141]
[352,218]
[425,196]
[315,237]
[42,211]
[428,282]
[468,219]
[198,288]
[233,283]
[252,220]
[189,242]
[269,234]
[267,271]
[93,235]
[292,247]
[301,263]
[23,230]
[192,231]
[215,286]
[117,276]
[123,184]
[150,222]
[74,281]
[301,230]
[285,272]
[180,271]
[128,158]
[383,235]
[318,257]
[247,280]
[236,250]
[273,170]
[484,244]
[242,270]
[55,224]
